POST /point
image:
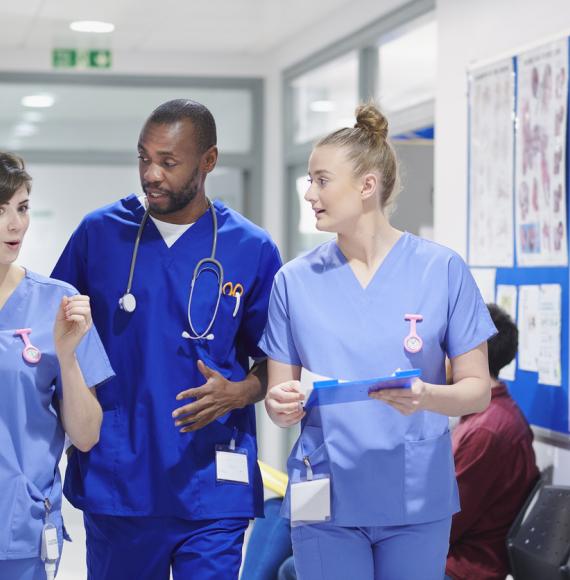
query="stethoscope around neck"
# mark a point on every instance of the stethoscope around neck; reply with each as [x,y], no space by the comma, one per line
[128,302]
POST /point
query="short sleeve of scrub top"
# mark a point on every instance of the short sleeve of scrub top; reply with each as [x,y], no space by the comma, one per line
[93,362]
[278,339]
[469,323]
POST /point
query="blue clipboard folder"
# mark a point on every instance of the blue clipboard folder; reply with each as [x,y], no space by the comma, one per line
[333,392]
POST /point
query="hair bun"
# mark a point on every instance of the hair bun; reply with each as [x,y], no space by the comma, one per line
[371,120]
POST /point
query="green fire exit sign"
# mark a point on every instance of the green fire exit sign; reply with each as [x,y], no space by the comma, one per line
[74,58]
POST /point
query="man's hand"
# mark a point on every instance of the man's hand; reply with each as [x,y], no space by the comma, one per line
[213,399]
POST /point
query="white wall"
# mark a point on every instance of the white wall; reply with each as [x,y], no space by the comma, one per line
[467,32]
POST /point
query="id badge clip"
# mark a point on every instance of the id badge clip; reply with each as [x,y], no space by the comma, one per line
[231,462]
[311,499]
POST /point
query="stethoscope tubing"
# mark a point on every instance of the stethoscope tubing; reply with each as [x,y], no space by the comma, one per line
[217,269]
[136,251]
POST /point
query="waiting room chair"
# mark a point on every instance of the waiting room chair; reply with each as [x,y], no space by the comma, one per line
[538,542]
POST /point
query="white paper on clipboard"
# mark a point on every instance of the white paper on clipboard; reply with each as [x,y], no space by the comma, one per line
[308,378]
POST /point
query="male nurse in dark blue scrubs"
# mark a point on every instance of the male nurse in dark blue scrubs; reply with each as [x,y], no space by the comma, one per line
[174,479]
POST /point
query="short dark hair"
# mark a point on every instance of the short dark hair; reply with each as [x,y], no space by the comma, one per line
[13,176]
[504,345]
[186,109]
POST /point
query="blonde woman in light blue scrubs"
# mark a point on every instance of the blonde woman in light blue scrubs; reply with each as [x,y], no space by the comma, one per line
[373,300]
[50,356]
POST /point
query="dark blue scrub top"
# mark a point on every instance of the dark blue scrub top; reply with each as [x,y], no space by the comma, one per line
[143,465]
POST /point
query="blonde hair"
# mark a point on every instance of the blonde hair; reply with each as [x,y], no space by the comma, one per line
[368,149]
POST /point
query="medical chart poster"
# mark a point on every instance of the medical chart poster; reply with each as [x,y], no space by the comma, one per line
[491,154]
[540,168]
[528,321]
[540,329]
[507,300]
[549,367]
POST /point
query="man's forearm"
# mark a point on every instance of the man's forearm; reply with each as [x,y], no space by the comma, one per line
[254,387]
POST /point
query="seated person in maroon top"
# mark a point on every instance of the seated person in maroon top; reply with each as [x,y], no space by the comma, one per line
[496,470]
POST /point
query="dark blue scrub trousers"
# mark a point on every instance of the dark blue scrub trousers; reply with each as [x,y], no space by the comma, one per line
[146,548]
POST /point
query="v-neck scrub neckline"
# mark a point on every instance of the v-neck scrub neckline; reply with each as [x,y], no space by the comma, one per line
[382,271]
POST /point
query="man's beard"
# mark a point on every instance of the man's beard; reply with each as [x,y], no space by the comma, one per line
[177,200]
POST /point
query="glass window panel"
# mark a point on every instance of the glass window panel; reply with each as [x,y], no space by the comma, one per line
[103,118]
[324,99]
[227,185]
[407,67]
[57,209]
[305,234]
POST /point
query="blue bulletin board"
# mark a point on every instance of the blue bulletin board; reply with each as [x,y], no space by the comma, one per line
[545,405]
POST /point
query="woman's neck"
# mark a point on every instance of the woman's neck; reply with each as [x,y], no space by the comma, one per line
[5,273]
[368,242]
[10,276]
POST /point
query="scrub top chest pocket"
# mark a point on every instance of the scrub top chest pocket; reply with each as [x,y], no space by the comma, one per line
[221,339]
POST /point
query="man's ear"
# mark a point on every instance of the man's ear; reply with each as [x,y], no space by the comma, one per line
[209,159]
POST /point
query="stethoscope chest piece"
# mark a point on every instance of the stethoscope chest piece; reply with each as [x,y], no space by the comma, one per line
[128,302]
[31,354]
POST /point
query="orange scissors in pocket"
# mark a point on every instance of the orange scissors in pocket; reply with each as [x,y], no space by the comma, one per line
[235,290]
[231,289]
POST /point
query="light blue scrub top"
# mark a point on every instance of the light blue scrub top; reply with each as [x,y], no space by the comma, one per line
[31,433]
[143,465]
[385,468]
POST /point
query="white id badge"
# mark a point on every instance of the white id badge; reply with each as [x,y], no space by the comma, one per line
[311,500]
[231,464]
[50,545]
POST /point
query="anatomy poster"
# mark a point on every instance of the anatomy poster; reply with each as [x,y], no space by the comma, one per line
[491,154]
[540,178]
